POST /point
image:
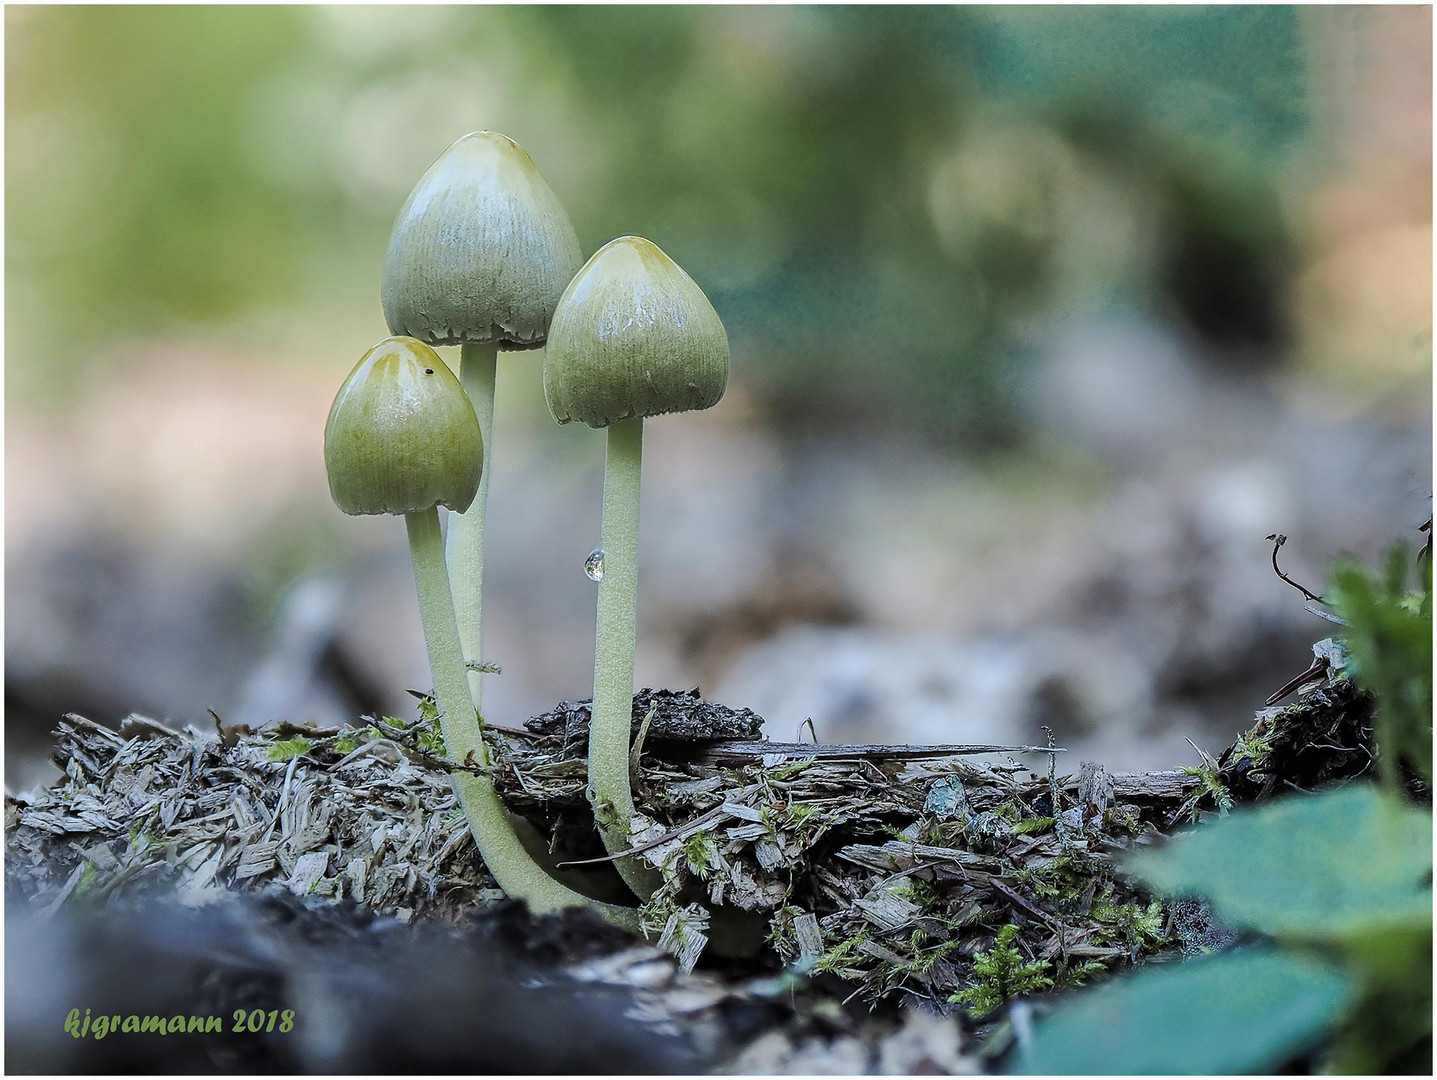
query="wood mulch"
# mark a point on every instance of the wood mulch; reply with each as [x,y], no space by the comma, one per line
[866,875]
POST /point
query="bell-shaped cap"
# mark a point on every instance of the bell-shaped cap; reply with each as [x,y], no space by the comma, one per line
[633,336]
[481,250]
[402,435]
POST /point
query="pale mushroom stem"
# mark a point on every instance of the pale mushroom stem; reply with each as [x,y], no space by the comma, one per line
[609,727]
[464,552]
[516,872]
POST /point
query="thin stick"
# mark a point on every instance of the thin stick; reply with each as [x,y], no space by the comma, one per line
[750,749]
[1020,901]
[1277,541]
[1316,671]
[718,813]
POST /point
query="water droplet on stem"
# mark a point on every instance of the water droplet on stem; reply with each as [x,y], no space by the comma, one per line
[594,565]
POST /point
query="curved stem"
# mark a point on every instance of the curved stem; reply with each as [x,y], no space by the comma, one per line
[513,868]
[464,552]
[609,728]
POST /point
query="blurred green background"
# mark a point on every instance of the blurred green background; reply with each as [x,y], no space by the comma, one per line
[875,198]
[896,211]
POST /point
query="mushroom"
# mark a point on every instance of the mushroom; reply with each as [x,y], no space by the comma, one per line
[402,438]
[480,253]
[632,337]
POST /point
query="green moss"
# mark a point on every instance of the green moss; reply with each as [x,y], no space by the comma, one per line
[925,956]
[1252,746]
[1008,811]
[782,937]
[427,708]
[431,741]
[700,853]
[88,876]
[1133,923]
[1079,974]
[920,892]
[1053,880]
[1212,787]
[1123,819]
[798,813]
[837,958]
[945,833]
[1033,825]
[790,769]
[1001,973]
[655,911]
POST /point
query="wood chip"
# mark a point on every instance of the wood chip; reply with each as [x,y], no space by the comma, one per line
[810,936]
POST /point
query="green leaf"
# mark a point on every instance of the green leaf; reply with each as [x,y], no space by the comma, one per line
[1331,866]
[1246,1011]
[285,749]
[1389,640]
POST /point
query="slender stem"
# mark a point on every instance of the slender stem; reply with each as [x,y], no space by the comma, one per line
[464,552]
[609,729]
[513,868]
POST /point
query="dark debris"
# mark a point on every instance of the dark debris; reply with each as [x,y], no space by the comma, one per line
[678,714]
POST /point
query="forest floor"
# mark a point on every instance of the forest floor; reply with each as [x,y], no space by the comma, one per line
[825,908]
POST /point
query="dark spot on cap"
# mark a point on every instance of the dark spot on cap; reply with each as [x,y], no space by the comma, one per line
[429,371]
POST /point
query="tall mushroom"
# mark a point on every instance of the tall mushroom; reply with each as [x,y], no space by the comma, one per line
[632,337]
[480,252]
[402,438]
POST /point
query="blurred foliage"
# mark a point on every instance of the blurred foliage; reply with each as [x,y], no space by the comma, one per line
[1208,1016]
[1389,642]
[879,201]
[1342,882]
[1342,866]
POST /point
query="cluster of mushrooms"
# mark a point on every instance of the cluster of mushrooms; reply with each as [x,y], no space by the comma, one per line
[483,256]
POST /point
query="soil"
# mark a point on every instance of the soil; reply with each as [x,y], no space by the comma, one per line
[823,905]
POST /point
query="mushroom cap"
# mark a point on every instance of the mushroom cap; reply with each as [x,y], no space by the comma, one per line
[402,435]
[633,336]
[481,249]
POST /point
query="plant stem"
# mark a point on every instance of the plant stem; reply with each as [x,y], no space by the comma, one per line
[609,728]
[464,552]
[515,871]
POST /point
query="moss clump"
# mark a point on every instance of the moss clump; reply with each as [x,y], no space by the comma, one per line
[1001,973]
[1134,924]
[840,959]
[1211,787]
[700,853]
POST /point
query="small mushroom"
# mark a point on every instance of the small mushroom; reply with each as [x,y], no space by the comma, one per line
[632,337]
[479,255]
[402,438]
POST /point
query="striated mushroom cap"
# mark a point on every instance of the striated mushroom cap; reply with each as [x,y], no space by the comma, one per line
[402,435]
[481,250]
[633,336]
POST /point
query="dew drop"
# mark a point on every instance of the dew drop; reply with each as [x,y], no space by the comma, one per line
[594,565]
